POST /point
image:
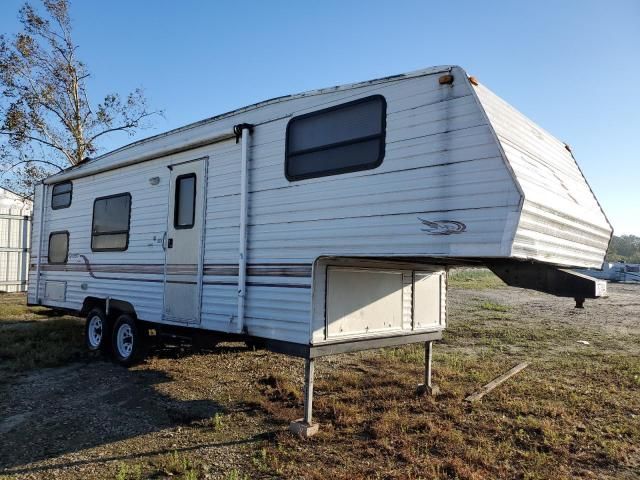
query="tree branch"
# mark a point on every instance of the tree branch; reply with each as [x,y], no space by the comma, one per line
[42,141]
[22,162]
[124,127]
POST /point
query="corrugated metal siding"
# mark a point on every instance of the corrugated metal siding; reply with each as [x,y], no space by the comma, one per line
[15,229]
[561,221]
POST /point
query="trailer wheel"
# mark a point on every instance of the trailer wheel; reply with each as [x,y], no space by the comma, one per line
[128,341]
[254,344]
[97,335]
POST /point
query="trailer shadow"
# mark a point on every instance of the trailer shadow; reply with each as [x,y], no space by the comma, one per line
[57,411]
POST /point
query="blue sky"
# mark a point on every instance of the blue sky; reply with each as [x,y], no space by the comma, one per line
[573,66]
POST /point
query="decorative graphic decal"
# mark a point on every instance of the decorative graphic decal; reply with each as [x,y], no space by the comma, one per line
[442,227]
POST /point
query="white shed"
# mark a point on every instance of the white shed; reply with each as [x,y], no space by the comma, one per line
[15,230]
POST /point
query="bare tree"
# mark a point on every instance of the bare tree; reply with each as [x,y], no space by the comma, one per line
[47,122]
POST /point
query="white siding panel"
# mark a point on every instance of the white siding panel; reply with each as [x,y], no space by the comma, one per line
[561,221]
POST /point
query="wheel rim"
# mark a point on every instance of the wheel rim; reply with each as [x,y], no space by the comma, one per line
[124,340]
[95,331]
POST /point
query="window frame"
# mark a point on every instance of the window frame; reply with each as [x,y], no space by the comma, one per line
[176,201]
[66,257]
[382,136]
[53,194]
[115,232]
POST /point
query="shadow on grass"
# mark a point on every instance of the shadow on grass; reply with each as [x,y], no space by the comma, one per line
[53,412]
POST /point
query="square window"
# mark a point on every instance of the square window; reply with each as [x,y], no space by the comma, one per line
[345,138]
[58,247]
[111,217]
[61,195]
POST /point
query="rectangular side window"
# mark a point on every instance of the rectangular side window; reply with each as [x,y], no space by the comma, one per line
[345,138]
[58,247]
[111,218]
[184,206]
[61,195]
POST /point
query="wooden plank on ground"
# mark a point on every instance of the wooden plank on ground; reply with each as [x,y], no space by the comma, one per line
[494,383]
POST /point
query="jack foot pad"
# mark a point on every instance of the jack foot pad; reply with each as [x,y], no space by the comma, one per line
[432,390]
[303,429]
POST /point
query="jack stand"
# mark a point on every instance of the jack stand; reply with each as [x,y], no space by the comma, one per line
[427,387]
[304,427]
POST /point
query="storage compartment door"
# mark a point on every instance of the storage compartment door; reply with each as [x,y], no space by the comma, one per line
[427,300]
[363,301]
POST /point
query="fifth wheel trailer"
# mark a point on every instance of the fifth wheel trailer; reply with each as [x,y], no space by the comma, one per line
[316,223]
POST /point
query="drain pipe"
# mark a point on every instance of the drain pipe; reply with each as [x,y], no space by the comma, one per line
[40,235]
[243,131]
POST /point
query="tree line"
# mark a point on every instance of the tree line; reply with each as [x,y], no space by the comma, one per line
[624,248]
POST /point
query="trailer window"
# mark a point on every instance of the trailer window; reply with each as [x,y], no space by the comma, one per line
[346,138]
[61,195]
[111,218]
[184,209]
[58,247]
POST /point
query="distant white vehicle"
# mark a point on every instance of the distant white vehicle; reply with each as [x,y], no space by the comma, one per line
[15,228]
[616,272]
[316,223]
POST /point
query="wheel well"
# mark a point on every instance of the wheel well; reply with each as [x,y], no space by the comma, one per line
[116,307]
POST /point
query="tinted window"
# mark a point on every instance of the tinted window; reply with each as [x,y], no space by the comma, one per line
[110,230]
[346,138]
[61,195]
[185,201]
[58,247]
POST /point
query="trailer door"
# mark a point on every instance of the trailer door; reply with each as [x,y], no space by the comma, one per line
[183,246]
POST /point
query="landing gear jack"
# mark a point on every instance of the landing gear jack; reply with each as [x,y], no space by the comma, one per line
[428,388]
[304,427]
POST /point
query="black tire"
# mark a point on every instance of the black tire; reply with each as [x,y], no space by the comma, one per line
[97,331]
[128,341]
[254,344]
[200,343]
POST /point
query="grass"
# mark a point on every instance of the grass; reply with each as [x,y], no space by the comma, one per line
[473,278]
[573,413]
[564,418]
[35,337]
[494,307]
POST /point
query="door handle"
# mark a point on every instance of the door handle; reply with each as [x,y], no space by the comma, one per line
[170,243]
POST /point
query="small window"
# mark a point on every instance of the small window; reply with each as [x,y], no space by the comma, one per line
[61,195]
[346,138]
[58,247]
[110,229]
[184,209]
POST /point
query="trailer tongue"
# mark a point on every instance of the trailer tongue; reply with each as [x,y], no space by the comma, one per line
[560,282]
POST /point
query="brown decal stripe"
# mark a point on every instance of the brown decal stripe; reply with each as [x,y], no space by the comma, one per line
[294,270]
[259,284]
[221,270]
[78,267]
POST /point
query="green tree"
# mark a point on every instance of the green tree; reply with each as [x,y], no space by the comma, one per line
[624,248]
[47,121]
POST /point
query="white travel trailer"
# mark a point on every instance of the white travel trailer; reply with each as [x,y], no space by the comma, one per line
[15,228]
[316,223]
